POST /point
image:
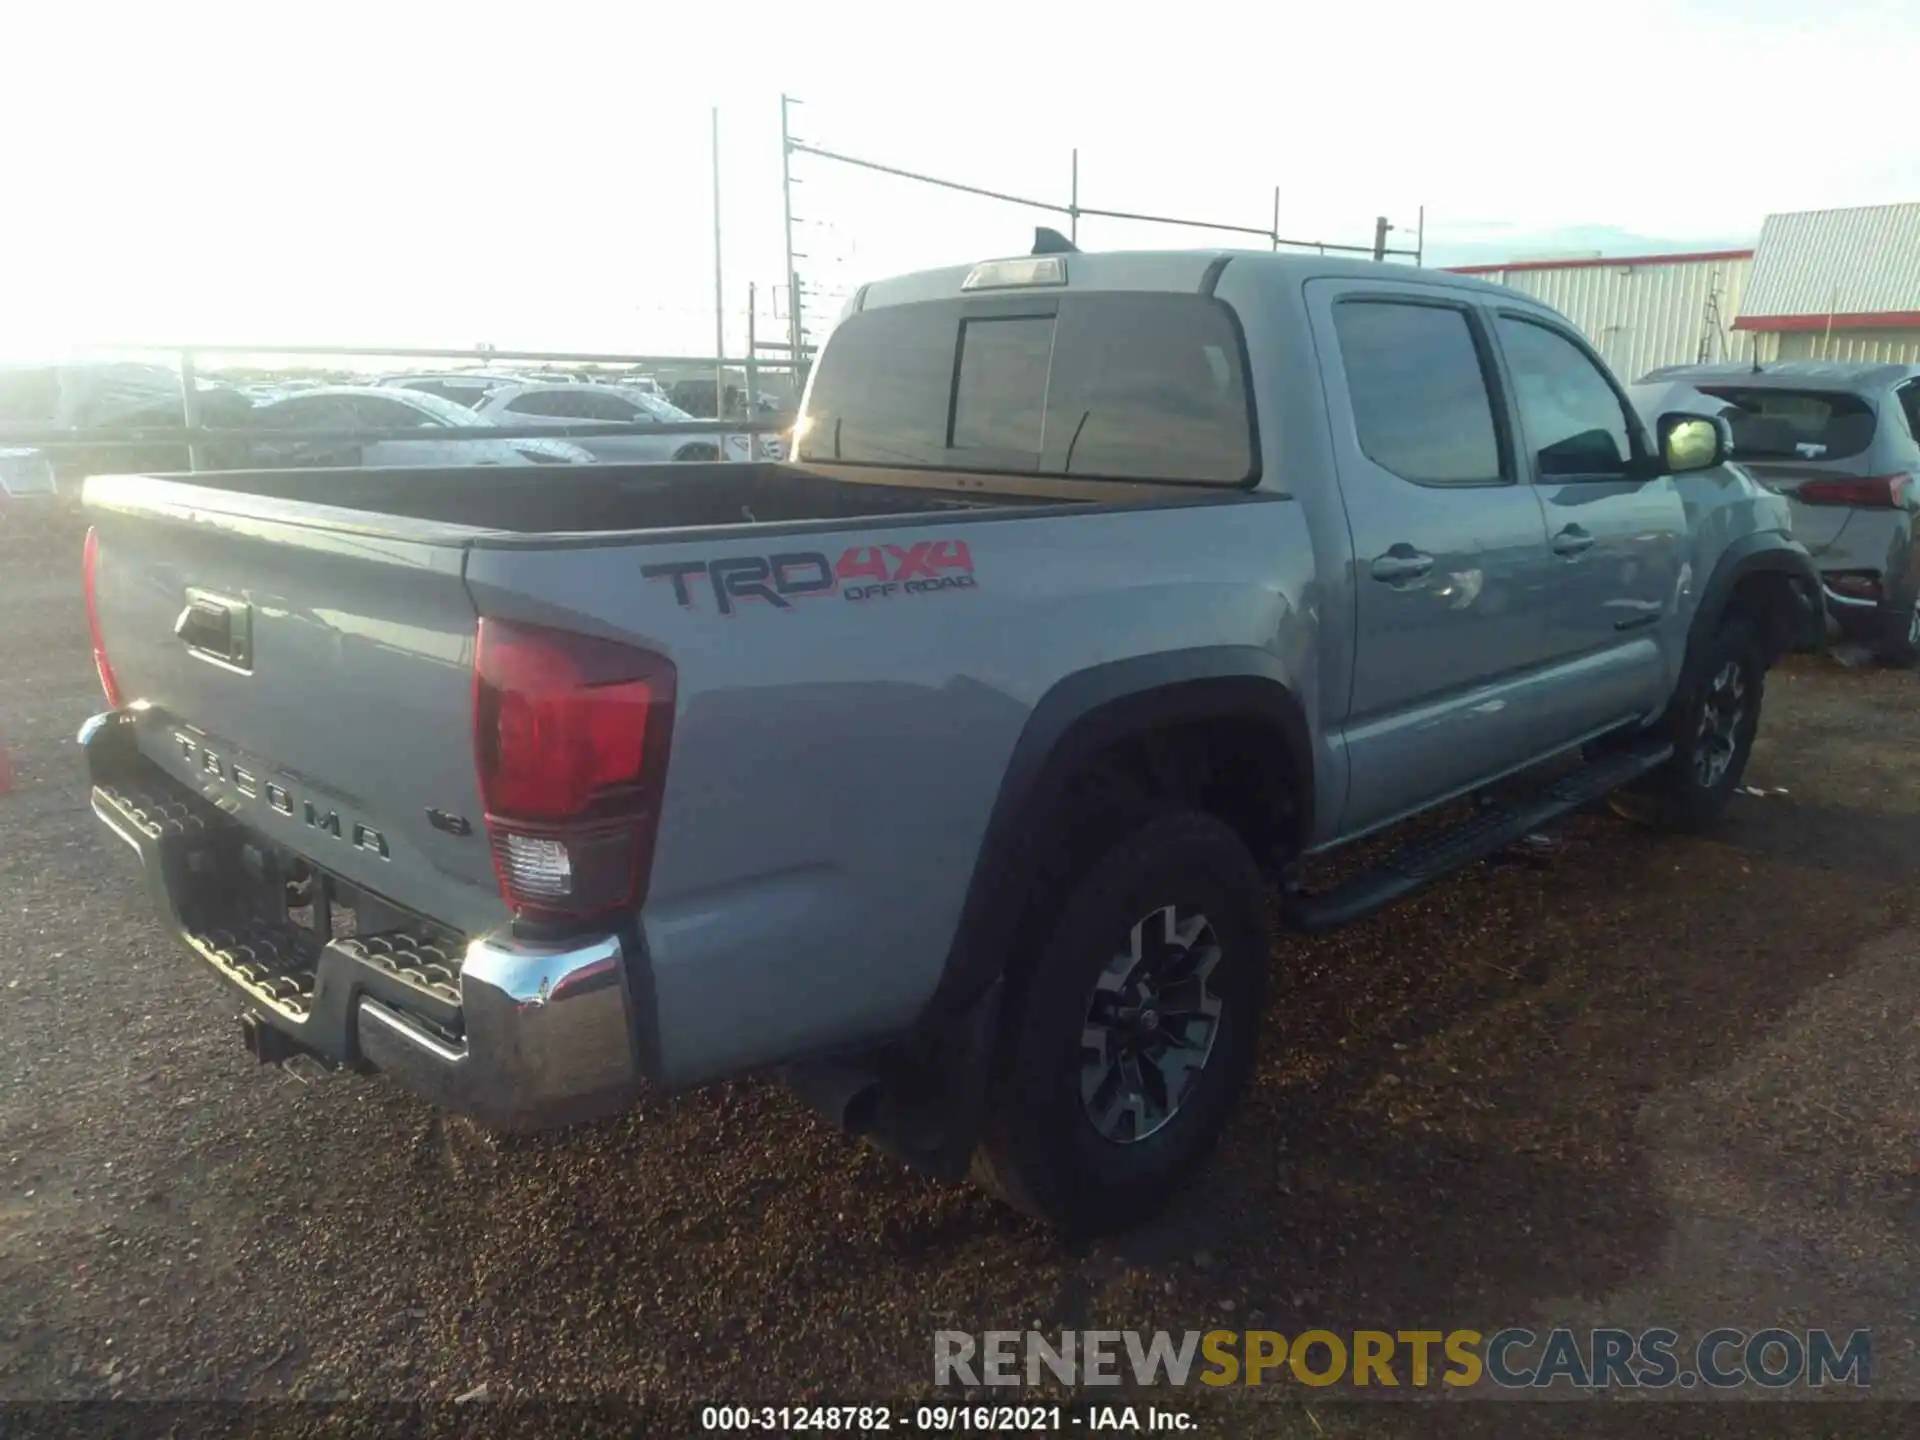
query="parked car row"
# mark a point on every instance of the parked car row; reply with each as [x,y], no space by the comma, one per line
[333,410]
[89,395]
[561,405]
[470,387]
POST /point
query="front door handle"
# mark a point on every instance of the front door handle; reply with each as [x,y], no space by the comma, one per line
[1572,541]
[1400,564]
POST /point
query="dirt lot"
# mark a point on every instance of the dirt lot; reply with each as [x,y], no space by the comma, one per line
[1649,1081]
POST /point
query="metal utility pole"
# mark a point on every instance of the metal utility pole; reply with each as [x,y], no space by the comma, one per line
[786,200]
[1380,229]
[1420,241]
[719,298]
[753,347]
[190,404]
[798,305]
[1276,217]
[1073,204]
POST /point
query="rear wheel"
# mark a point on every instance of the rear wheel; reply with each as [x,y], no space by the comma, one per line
[696,452]
[1712,725]
[1135,1030]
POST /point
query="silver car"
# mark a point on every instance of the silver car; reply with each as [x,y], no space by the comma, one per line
[462,387]
[332,411]
[1839,441]
[560,405]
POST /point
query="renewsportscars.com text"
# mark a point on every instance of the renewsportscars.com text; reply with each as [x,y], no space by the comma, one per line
[1511,1359]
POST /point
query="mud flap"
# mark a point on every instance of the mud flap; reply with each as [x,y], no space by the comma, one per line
[919,1100]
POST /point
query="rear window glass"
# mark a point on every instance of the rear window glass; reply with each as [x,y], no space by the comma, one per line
[1000,399]
[1108,386]
[1777,424]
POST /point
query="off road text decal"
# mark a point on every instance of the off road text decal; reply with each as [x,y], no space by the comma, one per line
[865,572]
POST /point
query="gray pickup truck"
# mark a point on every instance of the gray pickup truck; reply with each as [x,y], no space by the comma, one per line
[949,770]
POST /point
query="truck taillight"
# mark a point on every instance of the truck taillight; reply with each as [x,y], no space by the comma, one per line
[570,735]
[89,561]
[1878,492]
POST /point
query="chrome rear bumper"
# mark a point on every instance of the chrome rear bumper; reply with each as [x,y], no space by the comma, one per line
[517,1034]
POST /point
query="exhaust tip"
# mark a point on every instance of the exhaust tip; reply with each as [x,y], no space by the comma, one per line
[849,1098]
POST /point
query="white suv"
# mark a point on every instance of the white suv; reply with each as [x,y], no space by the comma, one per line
[560,405]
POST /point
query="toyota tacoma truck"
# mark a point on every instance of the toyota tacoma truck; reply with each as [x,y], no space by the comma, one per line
[948,770]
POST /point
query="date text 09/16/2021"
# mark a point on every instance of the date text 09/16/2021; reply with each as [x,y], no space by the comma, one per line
[945,1419]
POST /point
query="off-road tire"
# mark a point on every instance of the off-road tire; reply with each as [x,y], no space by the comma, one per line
[1679,795]
[1040,1149]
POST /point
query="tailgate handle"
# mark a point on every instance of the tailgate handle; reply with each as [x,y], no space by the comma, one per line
[217,628]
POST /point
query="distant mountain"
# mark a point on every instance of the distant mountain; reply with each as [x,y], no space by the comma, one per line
[1496,243]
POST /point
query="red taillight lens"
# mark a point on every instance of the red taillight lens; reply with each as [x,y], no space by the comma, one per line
[570,734]
[1877,492]
[89,561]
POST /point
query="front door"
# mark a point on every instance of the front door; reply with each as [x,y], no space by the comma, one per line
[1616,531]
[1448,543]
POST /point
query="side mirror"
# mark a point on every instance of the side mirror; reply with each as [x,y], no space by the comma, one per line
[1693,442]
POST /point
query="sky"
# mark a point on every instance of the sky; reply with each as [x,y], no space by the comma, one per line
[418,173]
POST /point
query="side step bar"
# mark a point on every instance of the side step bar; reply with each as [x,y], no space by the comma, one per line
[1491,831]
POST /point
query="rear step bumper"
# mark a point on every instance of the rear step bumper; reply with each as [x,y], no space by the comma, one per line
[518,1035]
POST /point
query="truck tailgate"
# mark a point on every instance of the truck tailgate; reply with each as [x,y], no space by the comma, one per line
[316,683]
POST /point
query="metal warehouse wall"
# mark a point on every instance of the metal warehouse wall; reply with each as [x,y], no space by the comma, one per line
[1642,316]
[1849,262]
[1899,347]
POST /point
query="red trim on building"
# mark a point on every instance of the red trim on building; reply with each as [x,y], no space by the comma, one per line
[1590,264]
[1871,320]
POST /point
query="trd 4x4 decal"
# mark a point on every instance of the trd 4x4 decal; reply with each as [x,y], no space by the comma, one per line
[864,572]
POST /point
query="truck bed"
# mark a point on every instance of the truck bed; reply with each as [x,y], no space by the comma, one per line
[313,631]
[602,499]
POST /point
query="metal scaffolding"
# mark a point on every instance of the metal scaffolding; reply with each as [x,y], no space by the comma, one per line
[1072,209]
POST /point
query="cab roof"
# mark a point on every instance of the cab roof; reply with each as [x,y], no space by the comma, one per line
[1162,270]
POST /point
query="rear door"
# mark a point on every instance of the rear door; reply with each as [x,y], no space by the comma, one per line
[326,419]
[1449,547]
[602,407]
[1616,532]
[375,412]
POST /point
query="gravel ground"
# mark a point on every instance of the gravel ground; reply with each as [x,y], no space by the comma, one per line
[1644,1080]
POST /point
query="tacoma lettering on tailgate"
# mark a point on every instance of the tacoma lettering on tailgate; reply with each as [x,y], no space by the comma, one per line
[864,572]
[236,780]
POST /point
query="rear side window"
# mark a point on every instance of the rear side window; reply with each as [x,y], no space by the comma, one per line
[1419,392]
[545,402]
[607,407]
[378,414]
[1779,424]
[1102,386]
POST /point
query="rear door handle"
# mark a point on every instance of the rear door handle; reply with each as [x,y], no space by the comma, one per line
[1572,541]
[217,628]
[1400,564]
